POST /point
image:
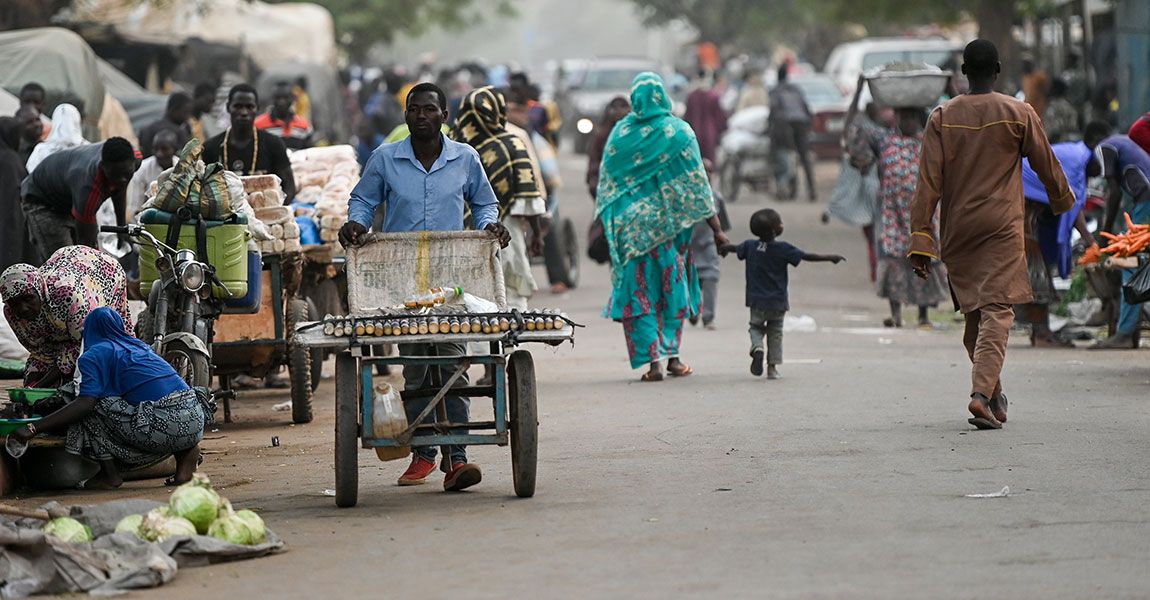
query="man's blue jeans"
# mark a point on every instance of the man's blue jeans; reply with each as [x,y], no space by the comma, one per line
[1128,314]
[419,376]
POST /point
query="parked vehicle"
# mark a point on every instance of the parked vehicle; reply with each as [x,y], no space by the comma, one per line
[589,91]
[828,113]
[744,152]
[848,61]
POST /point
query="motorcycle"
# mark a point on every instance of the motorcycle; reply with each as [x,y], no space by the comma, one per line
[745,153]
[179,320]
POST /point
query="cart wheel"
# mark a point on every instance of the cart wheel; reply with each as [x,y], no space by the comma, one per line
[190,364]
[299,365]
[346,430]
[524,422]
[571,250]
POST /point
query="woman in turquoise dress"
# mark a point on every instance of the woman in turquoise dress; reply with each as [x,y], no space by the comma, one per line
[652,190]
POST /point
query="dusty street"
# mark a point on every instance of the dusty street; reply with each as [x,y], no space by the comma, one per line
[846,479]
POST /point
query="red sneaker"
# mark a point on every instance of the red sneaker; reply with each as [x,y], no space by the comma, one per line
[417,473]
[462,476]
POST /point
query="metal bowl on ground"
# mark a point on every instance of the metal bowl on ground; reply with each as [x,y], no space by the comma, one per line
[53,468]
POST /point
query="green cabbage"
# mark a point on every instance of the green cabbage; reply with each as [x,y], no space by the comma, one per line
[68,530]
[159,526]
[200,505]
[255,524]
[130,524]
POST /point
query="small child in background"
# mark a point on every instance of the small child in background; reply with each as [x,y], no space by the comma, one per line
[767,261]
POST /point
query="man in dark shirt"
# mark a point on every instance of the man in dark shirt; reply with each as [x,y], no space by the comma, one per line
[243,149]
[175,119]
[31,130]
[790,129]
[281,120]
[1126,168]
[63,194]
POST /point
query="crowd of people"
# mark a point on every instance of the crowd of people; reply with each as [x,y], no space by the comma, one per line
[474,146]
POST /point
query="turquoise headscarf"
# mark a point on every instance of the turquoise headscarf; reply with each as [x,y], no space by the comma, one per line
[652,182]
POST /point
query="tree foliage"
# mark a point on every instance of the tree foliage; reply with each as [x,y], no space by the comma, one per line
[745,22]
[361,24]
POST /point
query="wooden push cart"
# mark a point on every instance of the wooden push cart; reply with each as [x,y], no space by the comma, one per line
[383,272]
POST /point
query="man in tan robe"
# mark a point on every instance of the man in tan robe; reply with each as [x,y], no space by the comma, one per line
[971,166]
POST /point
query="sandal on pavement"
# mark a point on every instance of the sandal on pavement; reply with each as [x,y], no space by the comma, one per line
[683,372]
[651,376]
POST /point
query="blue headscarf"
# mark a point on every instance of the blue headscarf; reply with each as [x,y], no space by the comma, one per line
[116,364]
[106,326]
[652,184]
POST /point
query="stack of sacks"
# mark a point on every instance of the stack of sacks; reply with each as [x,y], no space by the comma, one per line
[325,177]
[267,198]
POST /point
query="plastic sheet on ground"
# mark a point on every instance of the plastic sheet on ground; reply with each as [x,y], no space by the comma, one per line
[801,323]
[32,563]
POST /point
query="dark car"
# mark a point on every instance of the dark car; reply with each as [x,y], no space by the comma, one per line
[828,113]
[589,92]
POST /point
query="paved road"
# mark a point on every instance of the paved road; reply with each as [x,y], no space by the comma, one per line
[846,479]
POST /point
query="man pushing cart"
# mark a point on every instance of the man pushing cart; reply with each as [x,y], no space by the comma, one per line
[432,288]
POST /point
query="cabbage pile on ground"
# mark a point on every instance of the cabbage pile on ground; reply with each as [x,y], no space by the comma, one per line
[196,508]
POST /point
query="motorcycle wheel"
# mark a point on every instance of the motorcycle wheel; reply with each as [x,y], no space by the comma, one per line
[190,364]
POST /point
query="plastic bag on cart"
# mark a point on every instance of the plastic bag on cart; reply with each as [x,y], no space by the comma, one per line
[388,421]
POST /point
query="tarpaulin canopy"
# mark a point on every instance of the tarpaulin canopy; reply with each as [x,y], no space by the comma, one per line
[328,115]
[59,60]
[142,106]
[269,33]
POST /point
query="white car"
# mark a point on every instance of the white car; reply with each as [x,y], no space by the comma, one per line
[847,61]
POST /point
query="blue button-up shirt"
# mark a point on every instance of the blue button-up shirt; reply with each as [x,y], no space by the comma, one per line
[416,199]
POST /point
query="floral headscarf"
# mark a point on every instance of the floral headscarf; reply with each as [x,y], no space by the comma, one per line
[75,281]
[21,280]
[652,183]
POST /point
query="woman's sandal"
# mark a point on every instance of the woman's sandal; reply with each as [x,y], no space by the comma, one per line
[651,376]
[683,372]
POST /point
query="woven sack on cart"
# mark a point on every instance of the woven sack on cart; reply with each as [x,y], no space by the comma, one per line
[391,267]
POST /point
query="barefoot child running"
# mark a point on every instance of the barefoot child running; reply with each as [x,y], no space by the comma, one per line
[767,260]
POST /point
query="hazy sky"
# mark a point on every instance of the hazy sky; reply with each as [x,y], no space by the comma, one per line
[544,30]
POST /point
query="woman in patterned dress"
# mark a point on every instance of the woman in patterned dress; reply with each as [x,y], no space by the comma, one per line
[131,410]
[47,306]
[652,190]
[897,151]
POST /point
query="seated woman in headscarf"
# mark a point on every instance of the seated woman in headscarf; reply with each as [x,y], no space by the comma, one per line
[482,124]
[131,410]
[47,306]
[653,188]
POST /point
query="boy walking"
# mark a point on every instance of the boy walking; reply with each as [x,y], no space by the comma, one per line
[766,271]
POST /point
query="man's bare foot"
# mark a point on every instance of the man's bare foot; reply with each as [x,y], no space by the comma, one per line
[998,406]
[983,417]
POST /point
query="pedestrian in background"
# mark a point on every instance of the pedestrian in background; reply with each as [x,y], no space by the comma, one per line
[790,130]
[176,119]
[653,188]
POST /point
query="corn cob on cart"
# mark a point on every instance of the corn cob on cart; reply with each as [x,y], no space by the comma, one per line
[384,274]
